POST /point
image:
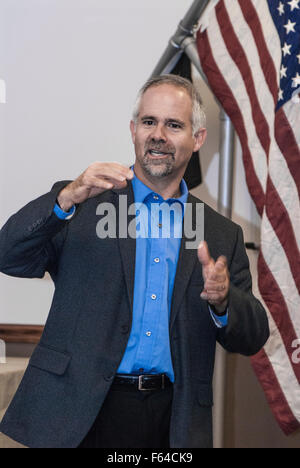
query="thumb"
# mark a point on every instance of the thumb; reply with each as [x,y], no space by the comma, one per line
[221,263]
[203,254]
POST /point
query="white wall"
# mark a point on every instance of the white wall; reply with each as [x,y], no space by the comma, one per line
[72,69]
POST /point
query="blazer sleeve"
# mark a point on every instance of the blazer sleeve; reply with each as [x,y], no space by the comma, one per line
[247,330]
[31,239]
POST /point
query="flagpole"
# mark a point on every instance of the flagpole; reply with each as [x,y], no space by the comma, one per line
[184,42]
[185,29]
[225,189]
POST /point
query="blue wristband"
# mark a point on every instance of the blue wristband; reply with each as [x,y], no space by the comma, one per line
[62,214]
[220,320]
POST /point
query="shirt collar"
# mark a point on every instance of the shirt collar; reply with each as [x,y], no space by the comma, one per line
[141,191]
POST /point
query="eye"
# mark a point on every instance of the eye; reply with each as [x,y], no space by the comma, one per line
[148,123]
[175,125]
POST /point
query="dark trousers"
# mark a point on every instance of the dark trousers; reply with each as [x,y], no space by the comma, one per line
[132,419]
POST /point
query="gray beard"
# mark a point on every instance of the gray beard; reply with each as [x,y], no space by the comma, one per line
[158,168]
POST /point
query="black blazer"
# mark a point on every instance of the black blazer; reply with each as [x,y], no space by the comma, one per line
[86,333]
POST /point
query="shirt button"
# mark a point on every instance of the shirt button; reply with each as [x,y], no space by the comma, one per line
[148,333]
[153,296]
[155,197]
[156,260]
[160,225]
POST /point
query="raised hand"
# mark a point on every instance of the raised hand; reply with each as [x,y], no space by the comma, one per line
[97,178]
[216,279]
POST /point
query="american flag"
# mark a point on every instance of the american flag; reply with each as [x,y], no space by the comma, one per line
[250,53]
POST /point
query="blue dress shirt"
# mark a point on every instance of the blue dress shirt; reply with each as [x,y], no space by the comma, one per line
[148,348]
[157,251]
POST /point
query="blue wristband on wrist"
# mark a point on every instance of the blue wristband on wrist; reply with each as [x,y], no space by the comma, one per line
[62,214]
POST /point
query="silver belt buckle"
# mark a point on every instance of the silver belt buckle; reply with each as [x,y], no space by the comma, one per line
[145,389]
[141,384]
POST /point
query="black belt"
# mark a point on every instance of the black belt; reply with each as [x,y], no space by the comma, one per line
[142,382]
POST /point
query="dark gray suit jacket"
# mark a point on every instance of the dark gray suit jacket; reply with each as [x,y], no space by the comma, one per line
[86,333]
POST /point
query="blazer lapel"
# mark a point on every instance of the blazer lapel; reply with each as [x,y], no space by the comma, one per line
[186,263]
[127,244]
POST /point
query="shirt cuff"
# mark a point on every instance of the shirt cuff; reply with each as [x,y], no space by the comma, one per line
[62,214]
[220,321]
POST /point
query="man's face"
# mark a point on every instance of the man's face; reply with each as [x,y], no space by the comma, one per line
[163,136]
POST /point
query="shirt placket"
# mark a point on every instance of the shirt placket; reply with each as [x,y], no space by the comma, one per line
[154,296]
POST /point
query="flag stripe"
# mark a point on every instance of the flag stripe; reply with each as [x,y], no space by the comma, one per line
[277,262]
[285,386]
[279,310]
[292,116]
[283,131]
[217,82]
[237,53]
[277,215]
[286,380]
[276,398]
[271,76]
[231,74]
[267,65]
[281,175]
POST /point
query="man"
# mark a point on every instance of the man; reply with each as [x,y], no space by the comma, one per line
[127,354]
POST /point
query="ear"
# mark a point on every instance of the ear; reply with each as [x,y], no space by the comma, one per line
[133,130]
[200,138]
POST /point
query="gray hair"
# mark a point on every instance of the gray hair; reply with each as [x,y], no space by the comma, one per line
[198,113]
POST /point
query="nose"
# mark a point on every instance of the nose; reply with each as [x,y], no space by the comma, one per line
[158,133]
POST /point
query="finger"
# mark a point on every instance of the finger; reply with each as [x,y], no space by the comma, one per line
[220,272]
[204,255]
[96,182]
[130,174]
[126,171]
[221,263]
[211,286]
[213,298]
[116,181]
[216,277]
[113,183]
[109,173]
[115,170]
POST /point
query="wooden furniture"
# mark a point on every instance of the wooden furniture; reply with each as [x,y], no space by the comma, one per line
[11,374]
[21,333]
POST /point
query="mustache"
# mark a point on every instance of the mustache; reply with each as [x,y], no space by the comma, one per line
[160,147]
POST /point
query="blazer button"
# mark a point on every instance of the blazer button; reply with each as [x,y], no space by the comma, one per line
[125,329]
